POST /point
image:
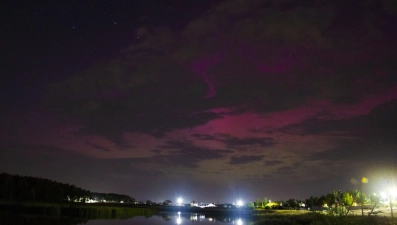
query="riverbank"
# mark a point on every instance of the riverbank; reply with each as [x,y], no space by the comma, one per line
[75,210]
[12,211]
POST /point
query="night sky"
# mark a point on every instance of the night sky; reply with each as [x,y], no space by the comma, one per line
[205,99]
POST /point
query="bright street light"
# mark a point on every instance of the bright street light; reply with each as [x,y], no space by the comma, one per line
[179,201]
[393,192]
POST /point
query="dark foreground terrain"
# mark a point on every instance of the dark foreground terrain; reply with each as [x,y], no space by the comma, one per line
[12,211]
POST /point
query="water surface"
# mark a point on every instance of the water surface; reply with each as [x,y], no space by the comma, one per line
[174,218]
[159,219]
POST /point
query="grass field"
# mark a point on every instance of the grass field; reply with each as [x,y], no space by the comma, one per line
[300,217]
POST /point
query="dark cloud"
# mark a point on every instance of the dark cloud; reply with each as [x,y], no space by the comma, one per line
[99,147]
[354,152]
[263,56]
[205,137]
[156,151]
[186,154]
[234,142]
[357,151]
[286,169]
[131,96]
[294,170]
[365,140]
[379,124]
[273,162]
[235,160]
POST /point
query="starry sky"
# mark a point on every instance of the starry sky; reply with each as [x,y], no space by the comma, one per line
[210,100]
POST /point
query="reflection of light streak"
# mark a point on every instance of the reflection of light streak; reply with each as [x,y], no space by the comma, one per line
[193,217]
[179,220]
[239,222]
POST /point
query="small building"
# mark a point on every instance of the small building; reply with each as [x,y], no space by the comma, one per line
[193,204]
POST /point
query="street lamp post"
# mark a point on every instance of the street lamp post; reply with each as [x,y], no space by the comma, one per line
[364,180]
[391,206]
[392,195]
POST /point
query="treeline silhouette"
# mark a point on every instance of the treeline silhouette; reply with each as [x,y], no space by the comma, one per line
[26,188]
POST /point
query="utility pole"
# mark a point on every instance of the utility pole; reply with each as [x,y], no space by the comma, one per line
[361,199]
[391,206]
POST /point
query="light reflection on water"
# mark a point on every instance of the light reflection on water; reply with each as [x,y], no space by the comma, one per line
[173,218]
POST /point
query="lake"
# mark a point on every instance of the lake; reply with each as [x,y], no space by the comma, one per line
[159,219]
[173,218]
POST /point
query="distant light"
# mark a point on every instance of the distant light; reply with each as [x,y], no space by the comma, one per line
[240,203]
[179,200]
[364,180]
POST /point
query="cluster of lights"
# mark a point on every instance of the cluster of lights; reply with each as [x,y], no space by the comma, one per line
[238,221]
[239,203]
[392,194]
[179,201]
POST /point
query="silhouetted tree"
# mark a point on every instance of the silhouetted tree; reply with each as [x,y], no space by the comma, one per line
[293,203]
[347,199]
[15,187]
[265,201]
[321,201]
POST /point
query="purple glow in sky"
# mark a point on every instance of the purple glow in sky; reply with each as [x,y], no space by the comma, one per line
[212,101]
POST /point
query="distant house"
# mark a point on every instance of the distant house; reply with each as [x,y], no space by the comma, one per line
[205,205]
[167,202]
[193,204]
